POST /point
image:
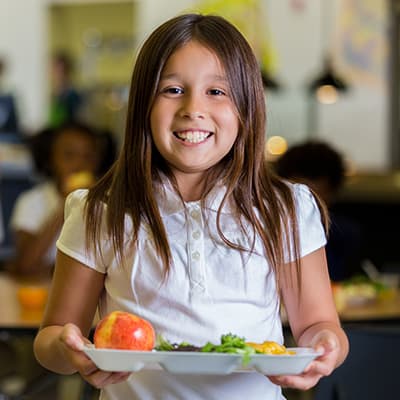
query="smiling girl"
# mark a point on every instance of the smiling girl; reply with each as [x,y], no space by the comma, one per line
[190,230]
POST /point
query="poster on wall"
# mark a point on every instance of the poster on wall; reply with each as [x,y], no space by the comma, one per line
[249,17]
[361,43]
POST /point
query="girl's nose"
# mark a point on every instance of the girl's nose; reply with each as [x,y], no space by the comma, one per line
[192,106]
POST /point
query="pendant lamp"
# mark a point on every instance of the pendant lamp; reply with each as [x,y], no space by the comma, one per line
[269,82]
[327,86]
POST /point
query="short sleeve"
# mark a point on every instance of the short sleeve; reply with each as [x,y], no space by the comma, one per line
[311,231]
[22,219]
[72,240]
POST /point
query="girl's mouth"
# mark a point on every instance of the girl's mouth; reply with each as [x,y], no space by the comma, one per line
[193,136]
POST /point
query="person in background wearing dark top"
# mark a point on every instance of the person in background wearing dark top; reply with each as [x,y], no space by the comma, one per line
[9,110]
[322,168]
[66,101]
[70,157]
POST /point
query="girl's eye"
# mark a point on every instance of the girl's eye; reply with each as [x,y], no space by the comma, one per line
[172,90]
[217,92]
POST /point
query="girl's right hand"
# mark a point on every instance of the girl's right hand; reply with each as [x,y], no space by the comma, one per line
[72,342]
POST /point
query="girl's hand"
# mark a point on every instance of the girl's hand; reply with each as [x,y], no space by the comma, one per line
[72,342]
[324,342]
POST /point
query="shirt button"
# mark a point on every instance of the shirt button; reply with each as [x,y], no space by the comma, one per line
[196,235]
[194,214]
[196,255]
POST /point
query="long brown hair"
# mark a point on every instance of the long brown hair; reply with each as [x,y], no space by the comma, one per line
[257,195]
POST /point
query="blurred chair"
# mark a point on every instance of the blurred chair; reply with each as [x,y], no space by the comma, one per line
[21,377]
[7,353]
[371,370]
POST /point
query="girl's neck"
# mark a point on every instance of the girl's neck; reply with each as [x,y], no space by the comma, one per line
[191,186]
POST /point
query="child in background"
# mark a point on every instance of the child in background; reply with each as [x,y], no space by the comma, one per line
[322,168]
[190,230]
[66,101]
[70,157]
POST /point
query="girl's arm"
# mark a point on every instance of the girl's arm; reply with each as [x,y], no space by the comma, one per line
[67,322]
[313,318]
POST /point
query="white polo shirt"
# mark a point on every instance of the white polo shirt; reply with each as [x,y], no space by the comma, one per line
[211,290]
[32,210]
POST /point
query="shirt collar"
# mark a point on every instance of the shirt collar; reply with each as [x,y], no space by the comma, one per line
[170,203]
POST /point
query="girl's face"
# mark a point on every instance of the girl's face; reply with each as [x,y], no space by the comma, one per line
[193,120]
[72,152]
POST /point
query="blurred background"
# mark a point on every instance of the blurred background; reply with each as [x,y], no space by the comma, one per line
[330,69]
[295,41]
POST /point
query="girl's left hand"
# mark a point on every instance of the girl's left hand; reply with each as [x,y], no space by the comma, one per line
[324,342]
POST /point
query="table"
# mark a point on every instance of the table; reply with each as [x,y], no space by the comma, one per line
[375,311]
[16,322]
[13,317]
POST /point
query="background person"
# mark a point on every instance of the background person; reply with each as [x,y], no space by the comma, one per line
[66,100]
[38,214]
[321,167]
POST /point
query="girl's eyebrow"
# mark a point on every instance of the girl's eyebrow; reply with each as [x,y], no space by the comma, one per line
[173,75]
[168,76]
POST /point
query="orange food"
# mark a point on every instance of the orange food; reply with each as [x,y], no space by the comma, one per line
[270,347]
[79,180]
[32,297]
[124,331]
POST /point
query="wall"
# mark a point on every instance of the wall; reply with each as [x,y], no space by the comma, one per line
[357,125]
[23,45]
[101,36]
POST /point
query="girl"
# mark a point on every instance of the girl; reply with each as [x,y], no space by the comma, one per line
[190,230]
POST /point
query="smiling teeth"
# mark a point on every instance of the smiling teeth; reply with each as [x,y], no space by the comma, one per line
[193,136]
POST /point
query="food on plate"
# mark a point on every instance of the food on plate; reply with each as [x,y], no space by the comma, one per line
[360,293]
[124,331]
[357,291]
[230,343]
[79,180]
[270,347]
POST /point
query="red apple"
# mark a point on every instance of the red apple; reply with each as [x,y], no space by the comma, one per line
[124,331]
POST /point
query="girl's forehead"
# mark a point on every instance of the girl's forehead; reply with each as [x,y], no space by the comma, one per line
[192,52]
[73,135]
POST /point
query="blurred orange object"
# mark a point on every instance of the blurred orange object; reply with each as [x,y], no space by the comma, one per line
[79,180]
[32,297]
[339,296]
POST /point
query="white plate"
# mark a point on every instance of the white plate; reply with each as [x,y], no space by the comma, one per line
[186,362]
[283,364]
